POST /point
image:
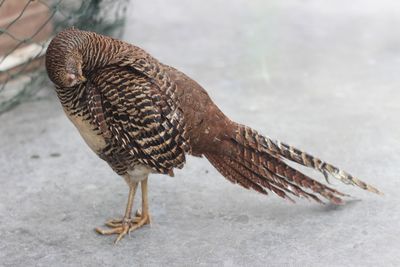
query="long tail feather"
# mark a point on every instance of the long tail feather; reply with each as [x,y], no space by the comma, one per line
[257,162]
[279,149]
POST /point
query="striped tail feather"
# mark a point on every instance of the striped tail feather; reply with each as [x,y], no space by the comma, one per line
[257,162]
[260,177]
[279,149]
[305,159]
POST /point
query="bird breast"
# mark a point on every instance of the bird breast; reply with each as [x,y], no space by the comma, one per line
[92,138]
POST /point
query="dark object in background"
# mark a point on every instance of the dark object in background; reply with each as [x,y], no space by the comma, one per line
[25,29]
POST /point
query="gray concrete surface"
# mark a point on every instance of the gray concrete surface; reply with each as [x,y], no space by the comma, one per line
[322,75]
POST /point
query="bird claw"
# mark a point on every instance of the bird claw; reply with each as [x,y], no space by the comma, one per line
[124,226]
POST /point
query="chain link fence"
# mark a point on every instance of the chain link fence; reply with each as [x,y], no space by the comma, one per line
[27,26]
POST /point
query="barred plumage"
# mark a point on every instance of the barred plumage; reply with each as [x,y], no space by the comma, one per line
[142,116]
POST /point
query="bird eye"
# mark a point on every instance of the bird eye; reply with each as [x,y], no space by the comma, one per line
[71,76]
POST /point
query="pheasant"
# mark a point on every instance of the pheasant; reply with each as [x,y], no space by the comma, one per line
[142,117]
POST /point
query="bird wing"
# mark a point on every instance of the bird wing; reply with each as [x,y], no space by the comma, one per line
[133,111]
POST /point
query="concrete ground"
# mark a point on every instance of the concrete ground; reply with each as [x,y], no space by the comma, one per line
[320,75]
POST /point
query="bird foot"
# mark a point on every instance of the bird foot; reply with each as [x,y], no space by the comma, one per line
[124,226]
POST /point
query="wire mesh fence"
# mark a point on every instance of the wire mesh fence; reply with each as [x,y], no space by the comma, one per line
[26,28]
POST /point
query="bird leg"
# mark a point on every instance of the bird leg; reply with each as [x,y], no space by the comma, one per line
[128,224]
[145,215]
[141,218]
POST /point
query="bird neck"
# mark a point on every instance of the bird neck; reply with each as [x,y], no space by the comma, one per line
[96,51]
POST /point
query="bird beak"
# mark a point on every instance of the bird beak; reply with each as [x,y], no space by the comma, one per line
[82,79]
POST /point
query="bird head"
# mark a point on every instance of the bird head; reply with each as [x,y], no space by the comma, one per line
[64,62]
